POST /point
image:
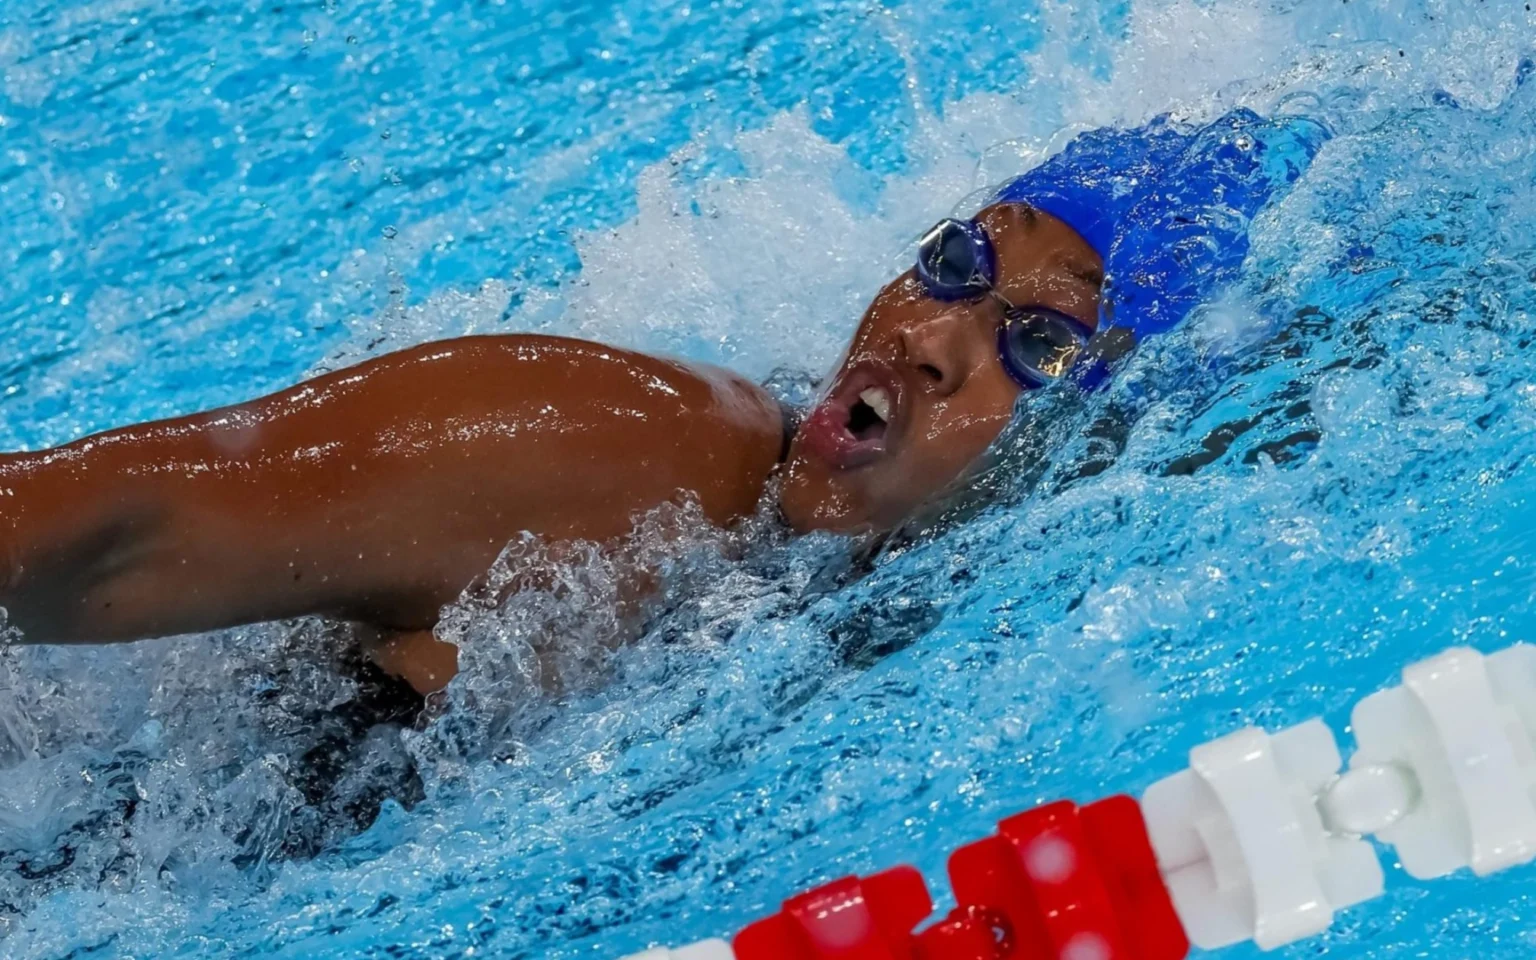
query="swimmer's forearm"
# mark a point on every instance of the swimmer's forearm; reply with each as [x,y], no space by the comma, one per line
[256,512]
[96,550]
[61,542]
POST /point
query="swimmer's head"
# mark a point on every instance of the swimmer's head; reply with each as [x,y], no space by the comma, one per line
[924,390]
[929,383]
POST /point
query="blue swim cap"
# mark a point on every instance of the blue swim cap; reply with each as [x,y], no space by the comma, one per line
[1168,209]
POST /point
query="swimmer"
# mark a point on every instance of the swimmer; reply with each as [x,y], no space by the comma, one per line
[377,493]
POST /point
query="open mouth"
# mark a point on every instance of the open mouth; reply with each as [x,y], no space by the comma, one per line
[856,421]
[870,414]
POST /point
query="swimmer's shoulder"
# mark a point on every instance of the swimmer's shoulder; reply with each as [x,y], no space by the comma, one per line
[609,373]
[690,426]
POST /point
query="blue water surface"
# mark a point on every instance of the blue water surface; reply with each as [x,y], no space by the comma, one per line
[202,201]
[228,181]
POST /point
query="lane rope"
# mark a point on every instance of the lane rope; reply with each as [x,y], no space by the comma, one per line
[1261,838]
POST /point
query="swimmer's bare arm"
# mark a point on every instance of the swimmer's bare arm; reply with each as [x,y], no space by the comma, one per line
[375,493]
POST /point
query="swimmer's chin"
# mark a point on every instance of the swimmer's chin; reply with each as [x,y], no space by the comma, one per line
[811,501]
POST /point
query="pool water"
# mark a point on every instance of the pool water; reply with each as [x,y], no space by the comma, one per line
[202,201]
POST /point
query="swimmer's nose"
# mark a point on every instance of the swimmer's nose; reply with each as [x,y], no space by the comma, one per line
[942,351]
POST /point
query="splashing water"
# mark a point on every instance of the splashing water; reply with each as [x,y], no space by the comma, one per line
[1349,494]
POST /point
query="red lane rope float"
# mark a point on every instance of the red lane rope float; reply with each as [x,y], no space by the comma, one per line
[847,919]
[1056,883]
[1073,884]
[968,933]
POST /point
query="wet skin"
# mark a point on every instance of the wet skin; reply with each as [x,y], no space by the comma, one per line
[378,493]
[373,494]
[921,393]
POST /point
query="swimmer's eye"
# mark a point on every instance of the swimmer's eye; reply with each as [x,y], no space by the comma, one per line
[1038,345]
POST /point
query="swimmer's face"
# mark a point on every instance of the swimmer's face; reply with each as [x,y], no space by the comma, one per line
[922,393]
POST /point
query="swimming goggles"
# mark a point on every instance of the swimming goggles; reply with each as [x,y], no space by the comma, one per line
[1037,345]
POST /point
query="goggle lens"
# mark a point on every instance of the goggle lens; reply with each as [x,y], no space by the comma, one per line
[1038,346]
[955,260]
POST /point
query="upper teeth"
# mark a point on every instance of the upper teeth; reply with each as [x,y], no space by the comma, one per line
[878,401]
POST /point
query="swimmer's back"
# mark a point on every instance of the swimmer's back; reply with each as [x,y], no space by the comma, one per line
[292,504]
